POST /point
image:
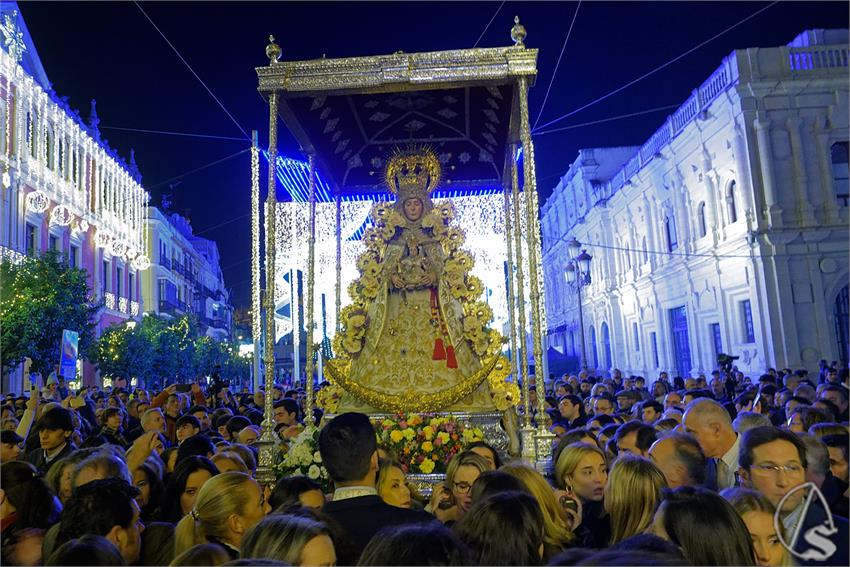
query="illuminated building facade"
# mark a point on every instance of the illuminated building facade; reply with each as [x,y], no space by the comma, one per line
[185,275]
[63,188]
[725,232]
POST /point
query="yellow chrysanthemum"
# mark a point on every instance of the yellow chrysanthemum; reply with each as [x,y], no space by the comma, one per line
[427,466]
[396,436]
[428,432]
[427,447]
[444,437]
[408,433]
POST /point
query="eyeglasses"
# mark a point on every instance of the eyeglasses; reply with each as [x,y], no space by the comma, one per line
[462,487]
[776,469]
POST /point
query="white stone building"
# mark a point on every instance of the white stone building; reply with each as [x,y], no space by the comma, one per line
[727,231]
[185,276]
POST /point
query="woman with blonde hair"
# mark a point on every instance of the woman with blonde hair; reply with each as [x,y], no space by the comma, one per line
[392,484]
[227,506]
[758,513]
[582,472]
[450,501]
[632,494]
[294,539]
[556,524]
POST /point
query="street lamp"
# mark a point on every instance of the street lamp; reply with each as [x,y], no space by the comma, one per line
[577,273]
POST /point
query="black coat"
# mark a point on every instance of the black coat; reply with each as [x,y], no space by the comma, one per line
[364,516]
[36,457]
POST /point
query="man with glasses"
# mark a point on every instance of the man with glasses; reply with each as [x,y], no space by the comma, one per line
[773,462]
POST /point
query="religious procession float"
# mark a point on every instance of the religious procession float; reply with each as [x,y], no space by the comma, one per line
[444,308]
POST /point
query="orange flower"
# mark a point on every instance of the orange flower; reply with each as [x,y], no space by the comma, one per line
[454,436]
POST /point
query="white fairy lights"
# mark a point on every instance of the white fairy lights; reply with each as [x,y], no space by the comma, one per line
[480,216]
[51,151]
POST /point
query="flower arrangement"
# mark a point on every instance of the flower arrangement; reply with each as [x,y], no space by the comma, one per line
[426,443]
[303,458]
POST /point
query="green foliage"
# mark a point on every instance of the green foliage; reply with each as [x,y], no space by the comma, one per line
[39,298]
[160,349]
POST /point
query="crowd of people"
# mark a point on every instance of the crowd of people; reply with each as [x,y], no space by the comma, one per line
[693,471]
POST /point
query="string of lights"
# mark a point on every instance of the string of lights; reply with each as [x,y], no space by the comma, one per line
[659,68]
[215,98]
[558,64]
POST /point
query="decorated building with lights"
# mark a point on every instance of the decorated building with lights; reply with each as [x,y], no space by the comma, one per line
[185,276]
[725,232]
[64,188]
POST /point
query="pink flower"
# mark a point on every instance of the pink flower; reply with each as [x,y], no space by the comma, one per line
[402,424]
[437,442]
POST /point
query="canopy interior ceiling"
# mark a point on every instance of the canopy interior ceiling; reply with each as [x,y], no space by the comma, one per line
[352,113]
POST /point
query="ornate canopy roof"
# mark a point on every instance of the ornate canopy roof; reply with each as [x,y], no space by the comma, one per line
[351,113]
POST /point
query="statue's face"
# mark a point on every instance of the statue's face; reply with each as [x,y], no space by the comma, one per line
[413,209]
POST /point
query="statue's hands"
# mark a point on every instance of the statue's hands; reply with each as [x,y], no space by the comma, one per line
[397,281]
[429,279]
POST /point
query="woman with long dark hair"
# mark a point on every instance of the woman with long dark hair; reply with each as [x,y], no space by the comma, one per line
[504,529]
[183,486]
[706,528]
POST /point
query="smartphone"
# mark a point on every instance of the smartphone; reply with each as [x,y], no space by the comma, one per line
[184,388]
[568,503]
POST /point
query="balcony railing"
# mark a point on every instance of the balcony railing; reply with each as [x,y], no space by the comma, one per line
[9,255]
[172,308]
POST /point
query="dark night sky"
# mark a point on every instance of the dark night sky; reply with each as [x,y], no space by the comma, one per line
[109,51]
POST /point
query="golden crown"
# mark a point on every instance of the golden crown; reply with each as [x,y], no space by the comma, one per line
[414,172]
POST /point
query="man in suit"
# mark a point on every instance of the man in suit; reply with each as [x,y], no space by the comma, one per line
[711,425]
[774,462]
[349,451]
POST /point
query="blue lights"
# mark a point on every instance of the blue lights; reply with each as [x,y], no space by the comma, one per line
[294,176]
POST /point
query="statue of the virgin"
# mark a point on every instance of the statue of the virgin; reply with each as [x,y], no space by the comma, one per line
[415,337]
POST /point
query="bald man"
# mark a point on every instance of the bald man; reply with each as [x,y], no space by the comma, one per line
[680,459]
[711,425]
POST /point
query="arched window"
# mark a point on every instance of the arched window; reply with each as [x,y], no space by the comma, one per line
[840,155]
[730,202]
[701,219]
[670,229]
